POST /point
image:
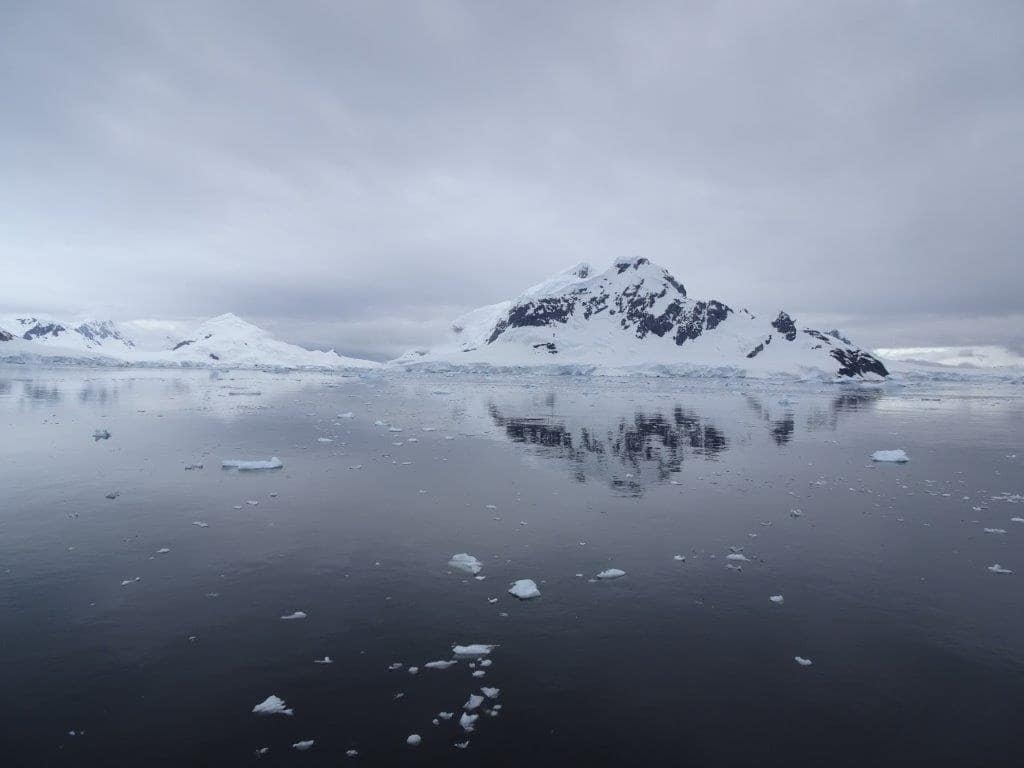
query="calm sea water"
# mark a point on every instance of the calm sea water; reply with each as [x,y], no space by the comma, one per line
[157,658]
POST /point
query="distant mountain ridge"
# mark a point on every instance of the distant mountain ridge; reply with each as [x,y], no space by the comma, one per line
[637,313]
[222,341]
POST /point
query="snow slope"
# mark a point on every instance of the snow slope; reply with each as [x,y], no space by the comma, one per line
[634,315]
[225,341]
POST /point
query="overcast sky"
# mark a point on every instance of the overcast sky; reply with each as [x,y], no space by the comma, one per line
[355,174]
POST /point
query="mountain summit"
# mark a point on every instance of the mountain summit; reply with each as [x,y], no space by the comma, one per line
[636,313]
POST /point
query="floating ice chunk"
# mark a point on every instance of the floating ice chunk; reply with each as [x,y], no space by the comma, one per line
[994,530]
[802,661]
[413,740]
[324,660]
[262,751]
[466,563]
[461,744]
[200,524]
[351,753]
[163,550]
[468,721]
[898,456]
[524,589]
[997,568]
[473,702]
[446,715]
[248,464]
[440,664]
[101,434]
[294,616]
[486,662]
[346,415]
[272,705]
[302,746]
[324,440]
[113,494]
[414,670]
[777,599]
[490,693]
[680,558]
[394,429]
[1010,498]
[611,573]
[474,649]
[1017,519]
[479,673]
[737,556]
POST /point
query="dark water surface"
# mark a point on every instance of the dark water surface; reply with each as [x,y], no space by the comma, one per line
[917,648]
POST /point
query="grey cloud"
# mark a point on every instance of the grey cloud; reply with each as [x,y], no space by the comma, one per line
[364,171]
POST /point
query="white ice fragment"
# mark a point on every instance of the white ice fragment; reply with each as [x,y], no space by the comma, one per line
[346,415]
[802,661]
[490,693]
[294,616]
[414,670]
[461,744]
[898,456]
[611,573]
[524,589]
[351,753]
[272,705]
[1017,519]
[446,715]
[200,524]
[473,702]
[465,562]
[440,664]
[777,599]
[324,660]
[680,558]
[474,649]
[479,673]
[163,550]
[246,464]
[468,721]
[997,568]
[737,556]
[995,530]
[413,740]
[302,746]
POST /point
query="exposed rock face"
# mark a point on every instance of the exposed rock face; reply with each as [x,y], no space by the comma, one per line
[91,335]
[6,335]
[636,312]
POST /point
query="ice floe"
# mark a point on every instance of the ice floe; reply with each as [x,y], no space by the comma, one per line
[468,721]
[473,649]
[413,740]
[777,599]
[802,661]
[473,702]
[249,464]
[898,456]
[466,562]
[524,589]
[997,568]
[272,705]
[324,660]
[490,693]
[294,616]
[611,573]
[440,664]
[302,746]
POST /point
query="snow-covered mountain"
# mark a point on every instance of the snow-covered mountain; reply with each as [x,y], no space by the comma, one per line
[224,341]
[636,314]
[86,336]
[231,341]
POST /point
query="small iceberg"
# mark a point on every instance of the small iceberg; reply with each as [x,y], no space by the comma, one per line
[413,740]
[611,573]
[777,599]
[302,746]
[995,530]
[490,693]
[737,556]
[524,589]
[294,616]
[467,563]
[473,702]
[899,456]
[245,464]
[440,664]
[474,649]
[324,660]
[272,705]
[802,661]
[468,721]
[997,568]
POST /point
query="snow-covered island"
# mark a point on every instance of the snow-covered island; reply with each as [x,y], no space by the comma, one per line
[634,316]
